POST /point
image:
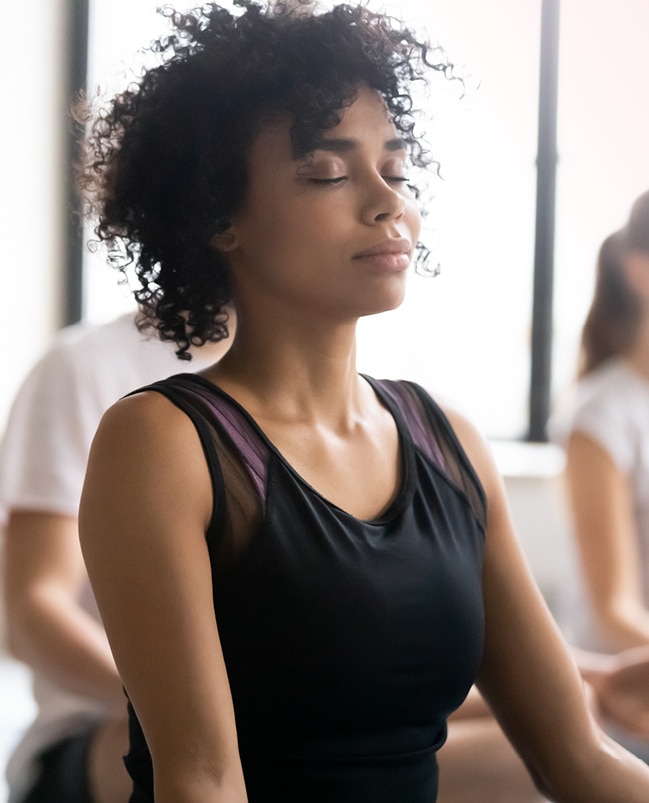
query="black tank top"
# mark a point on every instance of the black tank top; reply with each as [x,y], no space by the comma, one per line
[347,642]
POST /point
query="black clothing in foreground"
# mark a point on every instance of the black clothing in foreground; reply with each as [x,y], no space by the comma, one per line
[347,642]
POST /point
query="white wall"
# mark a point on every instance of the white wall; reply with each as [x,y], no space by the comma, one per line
[30,164]
[536,495]
[31,160]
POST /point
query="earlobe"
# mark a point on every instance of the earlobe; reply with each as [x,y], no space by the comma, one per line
[224,241]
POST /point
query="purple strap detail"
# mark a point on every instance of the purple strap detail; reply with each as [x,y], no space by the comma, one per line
[405,399]
[244,438]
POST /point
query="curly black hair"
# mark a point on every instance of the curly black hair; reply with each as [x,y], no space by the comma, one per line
[165,164]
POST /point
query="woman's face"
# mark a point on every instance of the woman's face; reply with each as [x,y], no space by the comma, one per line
[332,233]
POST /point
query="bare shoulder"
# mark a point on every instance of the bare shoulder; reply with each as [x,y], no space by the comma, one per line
[146,452]
[146,426]
[147,410]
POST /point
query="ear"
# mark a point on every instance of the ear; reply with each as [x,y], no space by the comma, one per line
[636,269]
[225,241]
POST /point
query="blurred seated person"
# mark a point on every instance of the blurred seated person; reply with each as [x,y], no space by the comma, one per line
[73,750]
[604,428]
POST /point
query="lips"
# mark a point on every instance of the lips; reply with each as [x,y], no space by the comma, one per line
[396,246]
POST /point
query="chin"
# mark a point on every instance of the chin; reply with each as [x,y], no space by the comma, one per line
[386,306]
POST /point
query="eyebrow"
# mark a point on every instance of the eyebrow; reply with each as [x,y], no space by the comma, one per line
[343,145]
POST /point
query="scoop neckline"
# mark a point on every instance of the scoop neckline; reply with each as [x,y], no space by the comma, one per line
[403,494]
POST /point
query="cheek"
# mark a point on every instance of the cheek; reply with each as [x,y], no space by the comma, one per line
[278,238]
[263,230]
[303,227]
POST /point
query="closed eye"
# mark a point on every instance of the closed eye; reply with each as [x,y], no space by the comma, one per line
[339,179]
[335,180]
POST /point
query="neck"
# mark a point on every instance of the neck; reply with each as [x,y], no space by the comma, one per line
[281,370]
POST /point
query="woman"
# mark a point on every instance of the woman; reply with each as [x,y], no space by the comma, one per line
[605,431]
[301,570]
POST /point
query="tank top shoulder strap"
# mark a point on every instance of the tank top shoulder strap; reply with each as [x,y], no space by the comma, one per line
[236,454]
[432,433]
[208,406]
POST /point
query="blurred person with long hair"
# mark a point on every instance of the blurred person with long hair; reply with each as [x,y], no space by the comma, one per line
[604,427]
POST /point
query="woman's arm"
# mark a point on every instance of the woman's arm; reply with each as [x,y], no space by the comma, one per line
[602,514]
[145,508]
[528,676]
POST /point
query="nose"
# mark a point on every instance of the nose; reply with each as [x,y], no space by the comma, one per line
[383,202]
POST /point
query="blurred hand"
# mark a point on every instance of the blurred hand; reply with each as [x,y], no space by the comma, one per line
[623,691]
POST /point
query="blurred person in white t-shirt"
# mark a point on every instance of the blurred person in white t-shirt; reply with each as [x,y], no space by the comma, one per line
[73,750]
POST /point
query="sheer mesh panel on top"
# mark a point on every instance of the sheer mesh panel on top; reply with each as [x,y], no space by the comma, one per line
[240,455]
[432,433]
